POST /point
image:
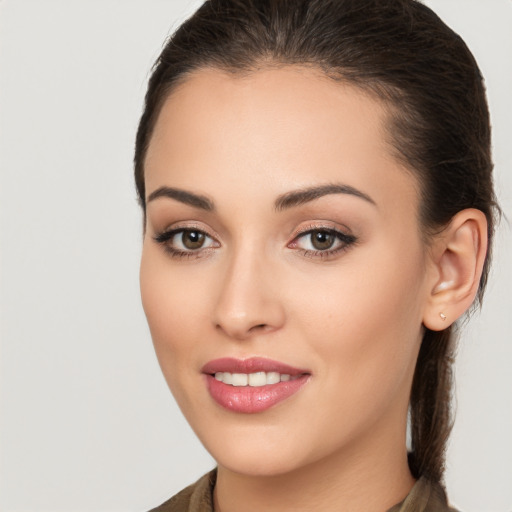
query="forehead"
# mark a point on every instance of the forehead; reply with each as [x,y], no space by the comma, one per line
[279,105]
[290,127]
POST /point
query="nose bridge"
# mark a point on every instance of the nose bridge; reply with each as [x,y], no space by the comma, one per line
[247,301]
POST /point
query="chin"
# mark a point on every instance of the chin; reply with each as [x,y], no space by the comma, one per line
[258,452]
[255,464]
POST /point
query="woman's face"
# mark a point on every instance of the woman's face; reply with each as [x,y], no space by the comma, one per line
[282,237]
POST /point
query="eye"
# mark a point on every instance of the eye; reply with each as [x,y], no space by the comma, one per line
[183,242]
[189,240]
[322,242]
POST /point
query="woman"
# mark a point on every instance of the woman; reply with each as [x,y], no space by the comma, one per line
[315,177]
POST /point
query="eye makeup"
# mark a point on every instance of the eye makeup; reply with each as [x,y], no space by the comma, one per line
[314,241]
[322,242]
[185,242]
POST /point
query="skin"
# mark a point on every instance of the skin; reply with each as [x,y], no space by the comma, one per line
[354,319]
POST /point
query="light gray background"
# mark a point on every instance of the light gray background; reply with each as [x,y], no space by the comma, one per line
[87,423]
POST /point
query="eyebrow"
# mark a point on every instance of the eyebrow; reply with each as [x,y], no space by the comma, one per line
[195,200]
[283,202]
[305,195]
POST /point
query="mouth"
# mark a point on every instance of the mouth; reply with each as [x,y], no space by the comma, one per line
[257,379]
[252,385]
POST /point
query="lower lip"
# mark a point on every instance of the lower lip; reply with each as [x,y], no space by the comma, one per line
[248,399]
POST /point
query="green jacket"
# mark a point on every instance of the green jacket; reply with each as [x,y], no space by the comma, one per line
[425,496]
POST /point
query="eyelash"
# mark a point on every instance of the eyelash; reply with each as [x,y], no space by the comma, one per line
[346,240]
[165,237]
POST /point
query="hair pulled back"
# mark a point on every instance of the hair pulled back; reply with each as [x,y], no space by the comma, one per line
[400,51]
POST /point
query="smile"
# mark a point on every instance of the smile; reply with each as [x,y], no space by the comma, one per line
[257,379]
[252,385]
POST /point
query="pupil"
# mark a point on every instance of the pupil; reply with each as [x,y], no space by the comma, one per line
[322,240]
[192,239]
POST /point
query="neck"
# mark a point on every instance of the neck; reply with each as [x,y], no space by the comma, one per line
[351,480]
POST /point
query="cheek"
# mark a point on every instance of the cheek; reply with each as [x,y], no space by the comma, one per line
[365,327]
[172,308]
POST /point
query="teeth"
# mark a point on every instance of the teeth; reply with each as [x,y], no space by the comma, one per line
[252,379]
[257,379]
[240,379]
[273,378]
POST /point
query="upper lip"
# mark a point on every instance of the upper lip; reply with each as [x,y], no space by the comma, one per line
[250,365]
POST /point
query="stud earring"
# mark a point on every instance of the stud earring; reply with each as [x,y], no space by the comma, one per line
[443,316]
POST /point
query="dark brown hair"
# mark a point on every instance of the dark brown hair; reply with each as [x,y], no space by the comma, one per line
[400,51]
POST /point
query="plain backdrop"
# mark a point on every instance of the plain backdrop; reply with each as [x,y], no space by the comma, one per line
[87,422]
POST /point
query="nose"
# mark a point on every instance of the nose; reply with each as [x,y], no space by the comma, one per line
[248,301]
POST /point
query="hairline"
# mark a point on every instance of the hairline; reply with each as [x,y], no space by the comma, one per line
[386,94]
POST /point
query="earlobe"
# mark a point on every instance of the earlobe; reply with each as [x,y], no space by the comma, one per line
[458,256]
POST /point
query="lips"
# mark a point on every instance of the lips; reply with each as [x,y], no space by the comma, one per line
[252,385]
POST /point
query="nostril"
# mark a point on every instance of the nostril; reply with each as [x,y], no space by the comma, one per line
[258,327]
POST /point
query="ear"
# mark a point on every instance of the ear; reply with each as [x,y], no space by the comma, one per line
[457,259]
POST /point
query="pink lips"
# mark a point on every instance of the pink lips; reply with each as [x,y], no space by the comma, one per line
[247,399]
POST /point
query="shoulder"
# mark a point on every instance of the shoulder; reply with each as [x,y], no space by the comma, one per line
[197,497]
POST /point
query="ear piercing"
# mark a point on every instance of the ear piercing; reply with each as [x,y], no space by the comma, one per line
[443,316]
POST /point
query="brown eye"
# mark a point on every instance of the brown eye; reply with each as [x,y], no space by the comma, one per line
[322,240]
[192,239]
[186,242]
